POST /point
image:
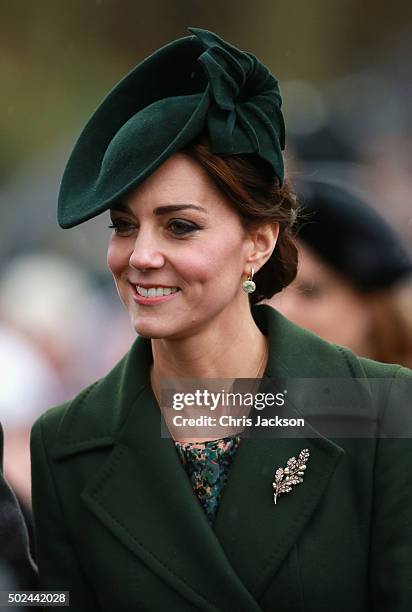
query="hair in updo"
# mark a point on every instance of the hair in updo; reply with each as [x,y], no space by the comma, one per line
[253,190]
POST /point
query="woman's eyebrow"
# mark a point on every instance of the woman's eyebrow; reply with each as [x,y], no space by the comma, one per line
[163,210]
[160,210]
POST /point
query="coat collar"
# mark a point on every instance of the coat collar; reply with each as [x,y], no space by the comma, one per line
[143,496]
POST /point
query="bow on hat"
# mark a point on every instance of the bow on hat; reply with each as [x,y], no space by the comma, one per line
[246,97]
[163,104]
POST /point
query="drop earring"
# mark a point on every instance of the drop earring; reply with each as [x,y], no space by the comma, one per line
[248,285]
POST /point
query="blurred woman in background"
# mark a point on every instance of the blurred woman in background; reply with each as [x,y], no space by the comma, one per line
[353,282]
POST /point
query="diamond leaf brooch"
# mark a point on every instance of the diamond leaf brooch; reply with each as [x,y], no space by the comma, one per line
[291,475]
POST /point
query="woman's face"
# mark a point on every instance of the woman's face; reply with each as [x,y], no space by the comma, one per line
[177,236]
[324,302]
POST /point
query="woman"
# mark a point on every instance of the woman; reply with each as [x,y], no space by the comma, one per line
[186,154]
[353,275]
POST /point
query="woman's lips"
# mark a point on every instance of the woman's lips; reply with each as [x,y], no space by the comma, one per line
[152,300]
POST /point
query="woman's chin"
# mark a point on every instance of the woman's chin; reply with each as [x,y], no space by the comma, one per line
[153,330]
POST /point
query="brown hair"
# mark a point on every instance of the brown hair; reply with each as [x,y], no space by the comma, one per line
[253,190]
[391,326]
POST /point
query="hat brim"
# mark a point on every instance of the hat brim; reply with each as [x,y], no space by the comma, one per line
[101,169]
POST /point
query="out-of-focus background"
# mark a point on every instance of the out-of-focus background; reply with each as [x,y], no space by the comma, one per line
[344,69]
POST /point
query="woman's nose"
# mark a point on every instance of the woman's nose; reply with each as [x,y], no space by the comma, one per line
[146,252]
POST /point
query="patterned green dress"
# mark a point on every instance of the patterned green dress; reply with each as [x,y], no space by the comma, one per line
[207,465]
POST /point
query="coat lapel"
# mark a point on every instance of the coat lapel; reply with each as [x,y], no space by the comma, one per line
[144,497]
[256,534]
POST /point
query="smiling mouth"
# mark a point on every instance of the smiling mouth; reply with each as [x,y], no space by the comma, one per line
[155,291]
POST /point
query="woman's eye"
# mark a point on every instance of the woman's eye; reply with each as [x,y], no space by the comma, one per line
[122,227]
[180,227]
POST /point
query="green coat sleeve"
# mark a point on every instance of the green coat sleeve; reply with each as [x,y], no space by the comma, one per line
[391,536]
[59,567]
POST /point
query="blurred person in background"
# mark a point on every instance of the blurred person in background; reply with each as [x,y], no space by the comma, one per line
[52,302]
[353,285]
[40,299]
[17,569]
[57,333]
[27,380]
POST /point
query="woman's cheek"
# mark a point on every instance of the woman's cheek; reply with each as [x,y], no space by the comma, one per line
[198,269]
[116,258]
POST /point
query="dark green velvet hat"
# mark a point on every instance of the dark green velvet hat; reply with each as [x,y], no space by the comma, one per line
[192,84]
[343,230]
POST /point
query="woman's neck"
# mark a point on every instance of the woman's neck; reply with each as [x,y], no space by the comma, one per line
[224,349]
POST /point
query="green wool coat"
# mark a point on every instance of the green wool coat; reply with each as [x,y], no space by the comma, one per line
[118,525]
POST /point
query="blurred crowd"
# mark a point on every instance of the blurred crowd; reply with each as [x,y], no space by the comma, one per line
[59,331]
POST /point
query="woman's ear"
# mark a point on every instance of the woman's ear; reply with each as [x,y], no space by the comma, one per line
[263,241]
